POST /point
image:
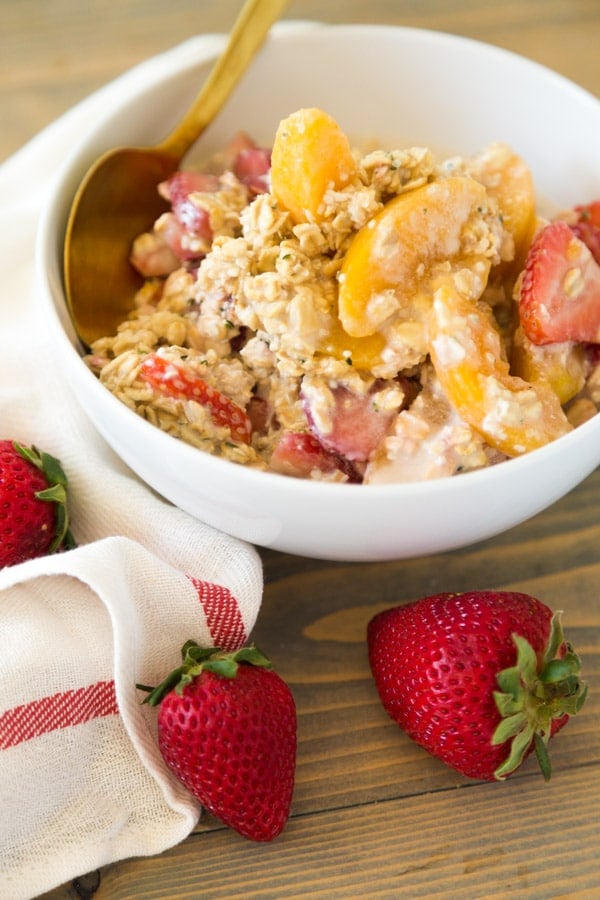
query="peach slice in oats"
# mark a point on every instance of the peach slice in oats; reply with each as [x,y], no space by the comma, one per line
[563,365]
[513,415]
[359,352]
[508,179]
[310,155]
[393,258]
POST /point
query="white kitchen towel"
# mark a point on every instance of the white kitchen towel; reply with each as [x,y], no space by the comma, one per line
[82,783]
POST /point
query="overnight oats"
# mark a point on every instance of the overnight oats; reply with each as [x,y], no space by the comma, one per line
[375,317]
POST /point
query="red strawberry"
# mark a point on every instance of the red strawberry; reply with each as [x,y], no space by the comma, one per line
[227,730]
[177,191]
[176,238]
[225,159]
[174,380]
[587,226]
[300,454]
[478,679]
[252,166]
[589,212]
[560,289]
[33,512]
[357,425]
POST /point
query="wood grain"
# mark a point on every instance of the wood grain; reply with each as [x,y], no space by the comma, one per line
[445,843]
[54,54]
[373,815]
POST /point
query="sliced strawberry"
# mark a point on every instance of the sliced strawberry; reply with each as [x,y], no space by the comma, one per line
[587,226]
[592,352]
[225,159]
[560,290]
[589,212]
[248,162]
[177,191]
[357,426]
[177,239]
[590,235]
[252,166]
[174,380]
[299,454]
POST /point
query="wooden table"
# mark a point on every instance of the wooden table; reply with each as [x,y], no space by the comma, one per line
[373,814]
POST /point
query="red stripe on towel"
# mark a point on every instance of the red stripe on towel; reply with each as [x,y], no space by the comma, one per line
[58,711]
[223,615]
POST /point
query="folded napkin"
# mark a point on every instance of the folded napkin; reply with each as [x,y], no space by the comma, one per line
[82,783]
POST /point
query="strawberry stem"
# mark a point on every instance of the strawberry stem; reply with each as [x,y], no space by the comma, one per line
[532,696]
[198,659]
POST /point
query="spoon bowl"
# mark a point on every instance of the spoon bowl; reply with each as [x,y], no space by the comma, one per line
[118,198]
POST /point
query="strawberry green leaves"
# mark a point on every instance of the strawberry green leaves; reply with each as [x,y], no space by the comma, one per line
[530,698]
[195,660]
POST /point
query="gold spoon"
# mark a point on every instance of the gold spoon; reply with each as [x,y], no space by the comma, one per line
[118,198]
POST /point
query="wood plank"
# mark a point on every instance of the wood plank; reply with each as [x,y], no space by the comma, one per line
[510,840]
[54,54]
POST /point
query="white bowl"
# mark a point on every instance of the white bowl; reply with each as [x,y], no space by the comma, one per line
[402,86]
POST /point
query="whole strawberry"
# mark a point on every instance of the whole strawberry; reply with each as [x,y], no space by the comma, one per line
[478,679]
[33,504]
[227,730]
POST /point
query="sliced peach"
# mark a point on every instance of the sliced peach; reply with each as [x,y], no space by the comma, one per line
[359,352]
[509,181]
[310,155]
[563,366]
[390,259]
[513,415]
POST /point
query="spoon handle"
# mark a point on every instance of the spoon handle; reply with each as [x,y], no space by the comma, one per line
[248,33]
